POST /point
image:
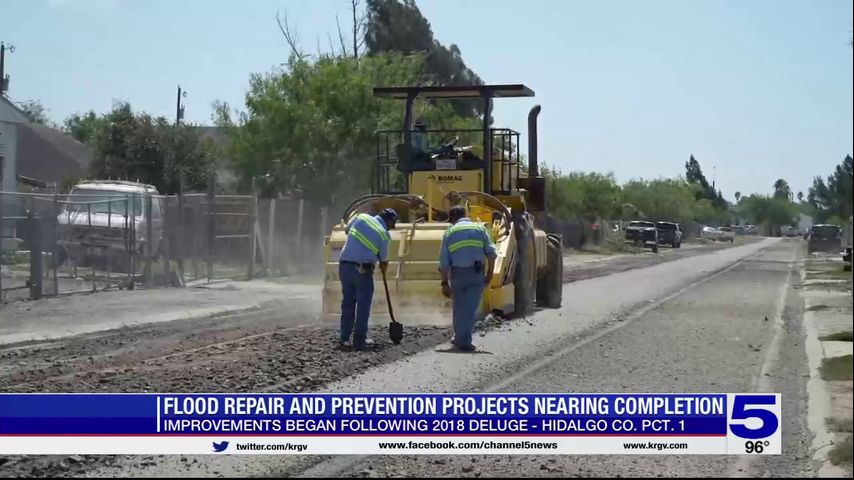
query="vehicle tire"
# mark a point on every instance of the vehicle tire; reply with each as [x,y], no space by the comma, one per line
[525,275]
[675,244]
[655,247]
[550,283]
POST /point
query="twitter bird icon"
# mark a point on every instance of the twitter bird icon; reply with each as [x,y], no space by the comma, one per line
[220,447]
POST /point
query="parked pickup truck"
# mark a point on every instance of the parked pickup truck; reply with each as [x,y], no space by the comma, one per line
[824,238]
[642,233]
[669,233]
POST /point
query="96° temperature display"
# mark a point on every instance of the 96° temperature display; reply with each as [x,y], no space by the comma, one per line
[754,424]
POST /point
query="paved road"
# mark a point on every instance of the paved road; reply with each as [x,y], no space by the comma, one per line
[581,266]
[691,325]
[700,327]
[700,340]
[87,313]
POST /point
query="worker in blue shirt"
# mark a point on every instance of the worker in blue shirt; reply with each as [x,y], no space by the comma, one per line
[367,241]
[466,247]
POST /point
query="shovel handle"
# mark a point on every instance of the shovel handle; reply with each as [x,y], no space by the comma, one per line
[388,299]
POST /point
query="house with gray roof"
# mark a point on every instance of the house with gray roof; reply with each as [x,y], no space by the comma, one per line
[35,156]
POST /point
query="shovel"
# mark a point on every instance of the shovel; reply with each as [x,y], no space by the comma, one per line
[395,328]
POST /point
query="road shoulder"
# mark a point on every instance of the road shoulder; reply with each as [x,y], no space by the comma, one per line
[826,291]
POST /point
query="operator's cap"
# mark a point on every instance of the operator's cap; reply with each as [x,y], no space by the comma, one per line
[390,214]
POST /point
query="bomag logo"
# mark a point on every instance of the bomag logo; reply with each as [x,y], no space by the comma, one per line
[445,178]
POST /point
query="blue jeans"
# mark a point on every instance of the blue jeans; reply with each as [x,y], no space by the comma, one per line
[357,291]
[466,293]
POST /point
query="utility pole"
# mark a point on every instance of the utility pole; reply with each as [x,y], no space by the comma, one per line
[179,109]
[4,81]
[179,114]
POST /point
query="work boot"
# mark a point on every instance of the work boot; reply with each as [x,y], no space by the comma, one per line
[360,344]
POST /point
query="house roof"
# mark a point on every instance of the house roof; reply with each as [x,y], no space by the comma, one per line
[9,112]
[48,155]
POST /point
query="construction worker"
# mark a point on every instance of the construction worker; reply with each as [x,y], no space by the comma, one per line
[367,241]
[466,249]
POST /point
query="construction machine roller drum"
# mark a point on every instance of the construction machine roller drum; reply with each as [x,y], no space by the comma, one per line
[495,191]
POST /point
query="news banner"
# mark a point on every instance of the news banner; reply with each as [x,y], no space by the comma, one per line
[324,424]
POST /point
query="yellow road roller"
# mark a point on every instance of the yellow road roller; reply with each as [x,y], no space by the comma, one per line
[422,173]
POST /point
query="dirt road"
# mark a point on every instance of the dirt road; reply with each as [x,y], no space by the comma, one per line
[596,342]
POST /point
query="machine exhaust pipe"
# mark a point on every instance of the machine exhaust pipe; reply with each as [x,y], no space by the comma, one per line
[533,164]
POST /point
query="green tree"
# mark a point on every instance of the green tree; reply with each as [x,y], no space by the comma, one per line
[590,196]
[83,127]
[139,147]
[670,200]
[833,198]
[737,197]
[35,112]
[311,127]
[782,190]
[398,26]
[694,175]
[771,212]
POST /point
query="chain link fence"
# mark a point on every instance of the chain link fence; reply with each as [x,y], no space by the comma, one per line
[292,233]
[54,244]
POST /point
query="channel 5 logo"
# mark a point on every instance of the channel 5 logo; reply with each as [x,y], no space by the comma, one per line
[754,416]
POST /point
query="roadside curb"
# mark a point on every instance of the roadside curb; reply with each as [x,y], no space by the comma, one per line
[820,395]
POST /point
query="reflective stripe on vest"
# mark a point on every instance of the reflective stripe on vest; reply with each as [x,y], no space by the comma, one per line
[465,243]
[470,242]
[464,226]
[371,222]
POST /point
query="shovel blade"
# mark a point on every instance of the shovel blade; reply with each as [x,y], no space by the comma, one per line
[395,332]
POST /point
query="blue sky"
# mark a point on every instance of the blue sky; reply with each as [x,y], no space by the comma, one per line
[755,89]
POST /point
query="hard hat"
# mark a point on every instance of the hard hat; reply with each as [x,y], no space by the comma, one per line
[389,214]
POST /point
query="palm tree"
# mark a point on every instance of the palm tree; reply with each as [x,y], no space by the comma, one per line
[782,190]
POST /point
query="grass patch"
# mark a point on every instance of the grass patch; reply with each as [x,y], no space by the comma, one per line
[837,368]
[839,425]
[837,286]
[838,337]
[830,274]
[613,245]
[842,452]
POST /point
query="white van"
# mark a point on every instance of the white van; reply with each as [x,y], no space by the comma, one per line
[100,216]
